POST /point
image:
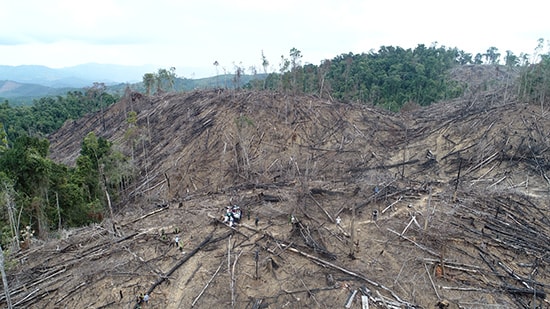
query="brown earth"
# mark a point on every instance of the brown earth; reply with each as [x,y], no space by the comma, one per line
[461,192]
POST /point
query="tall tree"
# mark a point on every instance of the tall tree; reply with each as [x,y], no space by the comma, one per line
[27,164]
[538,50]
[535,81]
[295,66]
[5,280]
[95,93]
[283,68]
[3,138]
[239,70]
[478,59]
[510,59]
[492,55]
[217,64]
[523,59]
[265,64]
[464,58]
[148,82]
[323,70]
[165,79]
[7,199]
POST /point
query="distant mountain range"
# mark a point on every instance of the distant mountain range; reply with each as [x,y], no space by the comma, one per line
[20,85]
[74,77]
[11,89]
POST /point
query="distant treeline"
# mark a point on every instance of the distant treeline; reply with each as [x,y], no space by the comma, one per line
[48,114]
[390,77]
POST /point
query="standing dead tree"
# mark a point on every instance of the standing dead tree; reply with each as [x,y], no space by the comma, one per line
[4,279]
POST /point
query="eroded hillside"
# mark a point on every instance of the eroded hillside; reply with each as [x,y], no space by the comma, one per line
[445,204]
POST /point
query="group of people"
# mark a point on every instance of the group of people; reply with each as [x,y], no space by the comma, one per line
[142,299]
[232,215]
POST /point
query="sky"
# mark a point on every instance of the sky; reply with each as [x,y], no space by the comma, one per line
[192,35]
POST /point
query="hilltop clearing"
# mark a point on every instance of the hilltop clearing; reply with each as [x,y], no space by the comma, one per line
[440,205]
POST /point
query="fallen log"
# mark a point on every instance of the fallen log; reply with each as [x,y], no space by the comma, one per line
[269,198]
[319,191]
[70,292]
[178,265]
[29,296]
[257,303]
[526,292]
[319,205]
[349,302]
[314,290]
[24,288]
[193,274]
[415,243]
[382,167]
[145,216]
[206,286]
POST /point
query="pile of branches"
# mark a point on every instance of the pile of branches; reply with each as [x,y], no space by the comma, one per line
[301,230]
[512,225]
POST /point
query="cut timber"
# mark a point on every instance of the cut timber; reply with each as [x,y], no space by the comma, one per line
[517,233]
[350,299]
[27,297]
[364,302]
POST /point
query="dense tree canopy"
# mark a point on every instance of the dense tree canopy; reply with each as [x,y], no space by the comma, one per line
[50,195]
[48,114]
[389,77]
[535,81]
[164,80]
[44,195]
[393,76]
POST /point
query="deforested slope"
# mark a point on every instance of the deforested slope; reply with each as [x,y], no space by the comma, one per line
[444,204]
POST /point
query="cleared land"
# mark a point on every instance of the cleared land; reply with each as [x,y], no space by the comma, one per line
[448,203]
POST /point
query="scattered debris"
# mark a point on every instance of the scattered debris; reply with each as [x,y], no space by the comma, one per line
[500,147]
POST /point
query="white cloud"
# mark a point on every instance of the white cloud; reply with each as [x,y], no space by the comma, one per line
[196,33]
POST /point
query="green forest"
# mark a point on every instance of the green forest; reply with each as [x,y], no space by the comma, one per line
[391,76]
[39,197]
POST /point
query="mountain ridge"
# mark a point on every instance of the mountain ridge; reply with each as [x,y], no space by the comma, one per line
[75,76]
[18,93]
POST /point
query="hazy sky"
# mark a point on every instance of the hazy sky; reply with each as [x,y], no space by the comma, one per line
[191,35]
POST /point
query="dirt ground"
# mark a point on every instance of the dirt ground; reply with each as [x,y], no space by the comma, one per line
[447,204]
